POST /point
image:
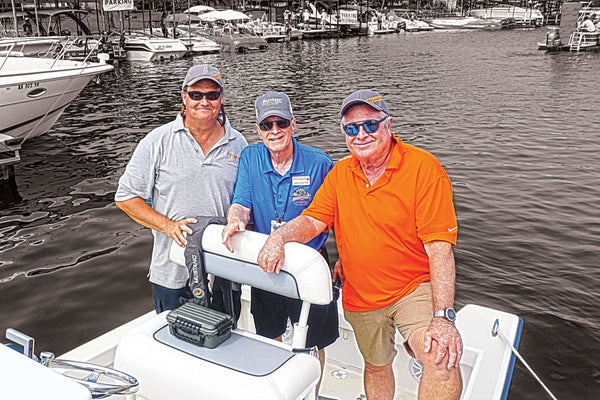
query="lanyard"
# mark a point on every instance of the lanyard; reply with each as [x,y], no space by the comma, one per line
[273,197]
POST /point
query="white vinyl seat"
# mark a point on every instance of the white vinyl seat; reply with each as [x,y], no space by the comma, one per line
[245,366]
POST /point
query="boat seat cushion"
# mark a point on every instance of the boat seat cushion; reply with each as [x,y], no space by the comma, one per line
[244,366]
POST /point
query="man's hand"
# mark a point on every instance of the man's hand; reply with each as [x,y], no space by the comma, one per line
[233,226]
[450,343]
[175,229]
[300,229]
[338,272]
[271,256]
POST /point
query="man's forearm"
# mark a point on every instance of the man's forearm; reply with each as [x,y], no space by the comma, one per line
[441,263]
[143,214]
[300,229]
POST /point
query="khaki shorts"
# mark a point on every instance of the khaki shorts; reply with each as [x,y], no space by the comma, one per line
[375,330]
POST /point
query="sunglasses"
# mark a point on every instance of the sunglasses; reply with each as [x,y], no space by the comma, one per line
[268,125]
[213,95]
[370,126]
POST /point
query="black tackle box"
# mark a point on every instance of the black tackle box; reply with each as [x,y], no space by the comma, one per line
[200,325]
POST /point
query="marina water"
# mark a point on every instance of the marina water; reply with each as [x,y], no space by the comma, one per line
[516,129]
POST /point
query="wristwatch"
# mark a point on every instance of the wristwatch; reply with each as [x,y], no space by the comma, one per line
[447,313]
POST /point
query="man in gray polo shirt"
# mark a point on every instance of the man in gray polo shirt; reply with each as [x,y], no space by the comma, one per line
[186,168]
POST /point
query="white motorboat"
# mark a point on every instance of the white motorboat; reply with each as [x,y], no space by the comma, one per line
[200,44]
[156,365]
[35,91]
[411,23]
[524,16]
[146,48]
[465,23]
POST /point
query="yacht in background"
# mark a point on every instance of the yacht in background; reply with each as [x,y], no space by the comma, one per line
[34,91]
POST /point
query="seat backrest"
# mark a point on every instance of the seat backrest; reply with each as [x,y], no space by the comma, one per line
[305,274]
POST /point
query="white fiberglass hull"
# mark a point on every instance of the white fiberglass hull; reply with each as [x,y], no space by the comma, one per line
[502,12]
[148,49]
[199,44]
[486,364]
[35,91]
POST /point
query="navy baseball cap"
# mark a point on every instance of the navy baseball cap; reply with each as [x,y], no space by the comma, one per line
[201,72]
[368,97]
[273,103]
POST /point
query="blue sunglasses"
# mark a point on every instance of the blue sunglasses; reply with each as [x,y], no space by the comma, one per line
[370,126]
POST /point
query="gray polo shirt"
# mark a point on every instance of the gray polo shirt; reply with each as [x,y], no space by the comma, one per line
[169,167]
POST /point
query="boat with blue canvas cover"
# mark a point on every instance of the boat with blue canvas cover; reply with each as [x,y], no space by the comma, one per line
[153,364]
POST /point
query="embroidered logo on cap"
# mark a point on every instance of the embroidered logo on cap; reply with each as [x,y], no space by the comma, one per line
[374,99]
[271,102]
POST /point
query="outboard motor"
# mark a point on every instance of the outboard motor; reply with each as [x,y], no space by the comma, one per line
[553,37]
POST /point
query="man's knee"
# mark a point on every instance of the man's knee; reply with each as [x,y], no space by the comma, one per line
[377,369]
[440,370]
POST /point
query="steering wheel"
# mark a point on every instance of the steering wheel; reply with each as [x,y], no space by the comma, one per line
[112,381]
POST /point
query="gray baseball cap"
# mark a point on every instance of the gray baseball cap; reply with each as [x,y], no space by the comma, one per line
[273,103]
[368,97]
[201,72]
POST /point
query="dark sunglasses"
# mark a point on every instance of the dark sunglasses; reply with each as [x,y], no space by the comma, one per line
[370,126]
[268,125]
[213,95]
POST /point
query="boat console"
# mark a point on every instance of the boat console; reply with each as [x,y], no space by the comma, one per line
[245,365]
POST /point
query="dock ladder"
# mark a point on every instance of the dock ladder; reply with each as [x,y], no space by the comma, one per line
[575,41]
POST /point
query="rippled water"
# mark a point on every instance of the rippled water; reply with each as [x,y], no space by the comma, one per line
[515,128]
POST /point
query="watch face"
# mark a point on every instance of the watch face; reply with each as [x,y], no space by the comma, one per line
[451,314]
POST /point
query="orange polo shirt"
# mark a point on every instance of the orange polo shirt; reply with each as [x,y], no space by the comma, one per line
[380,229]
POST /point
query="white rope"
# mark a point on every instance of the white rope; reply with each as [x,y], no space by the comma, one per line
[496,331]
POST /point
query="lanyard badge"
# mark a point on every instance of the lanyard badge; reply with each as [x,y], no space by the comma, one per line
[276,224]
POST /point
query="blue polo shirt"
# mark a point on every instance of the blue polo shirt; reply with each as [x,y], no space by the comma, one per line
[270,196]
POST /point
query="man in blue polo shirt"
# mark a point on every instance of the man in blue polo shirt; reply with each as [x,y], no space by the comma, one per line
[277,179]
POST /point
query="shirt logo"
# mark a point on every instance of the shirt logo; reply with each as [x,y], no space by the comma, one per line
[452,229]
[300,197]
[233,156]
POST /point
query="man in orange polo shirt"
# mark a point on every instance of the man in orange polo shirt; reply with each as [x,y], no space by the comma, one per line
[391,207]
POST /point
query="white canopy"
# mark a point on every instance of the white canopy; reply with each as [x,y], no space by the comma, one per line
[198,10]
[226,15]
